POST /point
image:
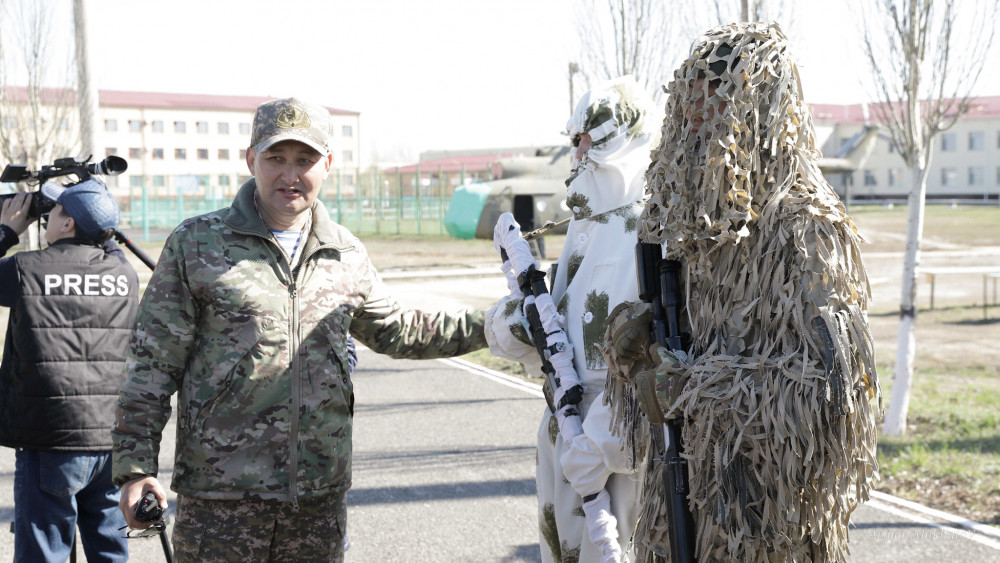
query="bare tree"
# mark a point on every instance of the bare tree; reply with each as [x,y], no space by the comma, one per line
[646,38]
[751,10]
[35,115]
[637,37]
[925,57]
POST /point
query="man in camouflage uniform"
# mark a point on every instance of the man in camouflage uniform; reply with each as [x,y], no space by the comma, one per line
[247,317]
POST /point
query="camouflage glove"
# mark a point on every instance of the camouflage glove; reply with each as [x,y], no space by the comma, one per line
[658,388]
[631,329]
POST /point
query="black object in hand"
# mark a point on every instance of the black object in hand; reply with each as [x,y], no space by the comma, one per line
[148,509]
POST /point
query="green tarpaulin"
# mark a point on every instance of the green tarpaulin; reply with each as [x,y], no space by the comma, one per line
[464,210]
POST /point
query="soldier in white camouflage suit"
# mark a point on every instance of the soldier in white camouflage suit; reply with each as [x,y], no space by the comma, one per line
[613,129]
[247,318]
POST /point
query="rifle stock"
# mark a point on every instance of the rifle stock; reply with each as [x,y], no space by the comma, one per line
[659,285]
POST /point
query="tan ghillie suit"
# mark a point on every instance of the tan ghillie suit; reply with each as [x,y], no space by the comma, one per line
[779,425]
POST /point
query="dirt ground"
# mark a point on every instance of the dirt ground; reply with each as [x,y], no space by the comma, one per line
[958,331]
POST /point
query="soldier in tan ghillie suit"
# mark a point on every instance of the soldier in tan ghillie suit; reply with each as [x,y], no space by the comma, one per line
[777,387]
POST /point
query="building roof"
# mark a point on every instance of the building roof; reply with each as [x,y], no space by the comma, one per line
[983,107]
[452,164]
[162,100]
[118,98]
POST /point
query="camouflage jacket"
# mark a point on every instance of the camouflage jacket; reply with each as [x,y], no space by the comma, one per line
[258,356]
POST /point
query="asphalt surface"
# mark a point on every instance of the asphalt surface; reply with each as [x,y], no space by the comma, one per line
[444,471]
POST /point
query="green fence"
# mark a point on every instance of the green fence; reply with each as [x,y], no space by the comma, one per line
[376,203]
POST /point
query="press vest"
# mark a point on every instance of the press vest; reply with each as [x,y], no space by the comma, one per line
[64,354]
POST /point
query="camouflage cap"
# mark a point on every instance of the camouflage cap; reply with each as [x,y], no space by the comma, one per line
[290,119]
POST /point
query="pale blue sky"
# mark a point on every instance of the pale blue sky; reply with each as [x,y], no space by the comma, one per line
[425,74]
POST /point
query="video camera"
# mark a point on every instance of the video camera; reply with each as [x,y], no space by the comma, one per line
[81,168]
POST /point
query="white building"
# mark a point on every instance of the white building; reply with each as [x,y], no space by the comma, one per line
[197,143]
[190,144]
[965,163]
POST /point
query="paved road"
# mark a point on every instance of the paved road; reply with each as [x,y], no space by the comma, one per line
[444,471]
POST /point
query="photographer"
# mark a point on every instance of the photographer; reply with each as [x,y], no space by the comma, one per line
[72,309]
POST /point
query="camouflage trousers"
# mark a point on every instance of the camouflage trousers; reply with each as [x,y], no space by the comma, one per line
[260,530]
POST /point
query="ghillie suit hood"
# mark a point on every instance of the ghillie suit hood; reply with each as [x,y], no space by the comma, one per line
[779,421]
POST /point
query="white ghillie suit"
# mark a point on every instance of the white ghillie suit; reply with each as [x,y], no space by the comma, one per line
[779,426]
[595,272]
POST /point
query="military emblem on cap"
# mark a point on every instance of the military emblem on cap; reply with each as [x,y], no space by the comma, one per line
[290,119]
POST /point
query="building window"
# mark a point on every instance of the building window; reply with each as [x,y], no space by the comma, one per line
[870,178]
[157,126]
[347,131]
[202,154]
[157,154]
[977,140]
[977,176]
[895,176]
[135,152]
[223,179]
[63,124]
[244,128]
[948,142]
[159,181]
[243,154]
[201,126]
[244,178]
[110,151]
[10,122]
[348,156]
[180,127]
[134,125]
[223,154]
[111,125]
[347,179]
[949,177]
[135,182]
[223,128]
[180,154]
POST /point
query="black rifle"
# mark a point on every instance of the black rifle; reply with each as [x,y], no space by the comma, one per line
[532,282]
[659,284]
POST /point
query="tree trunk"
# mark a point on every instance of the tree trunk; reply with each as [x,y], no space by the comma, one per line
[895,420]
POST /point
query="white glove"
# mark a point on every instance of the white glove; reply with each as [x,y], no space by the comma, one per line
[602,527]
[507,236]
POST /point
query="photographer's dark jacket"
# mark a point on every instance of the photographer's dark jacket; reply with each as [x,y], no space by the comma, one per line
[72,310]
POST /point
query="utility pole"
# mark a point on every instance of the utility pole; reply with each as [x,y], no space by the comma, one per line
[86,96]
[573,69]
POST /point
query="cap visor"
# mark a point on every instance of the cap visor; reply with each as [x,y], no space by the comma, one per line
[52,190]
[270,142]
